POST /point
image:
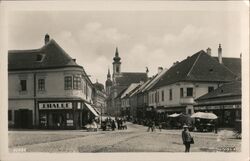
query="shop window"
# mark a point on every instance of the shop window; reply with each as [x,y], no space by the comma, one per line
[43,120]
[9,115]
[181,92]
[210,89]
[189,92]
[170,94]
[67,82]
[162,95]
[23,84]
[77,82]
[69,116]
[41,84]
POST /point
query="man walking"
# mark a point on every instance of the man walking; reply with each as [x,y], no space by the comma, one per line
[186,138]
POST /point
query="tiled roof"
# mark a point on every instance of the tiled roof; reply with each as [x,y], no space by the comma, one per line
[200,67]
[233,64]
[127,78]
[99,86]
[51,55]
[226,90]
[119,94]
[154,80]
[129,89]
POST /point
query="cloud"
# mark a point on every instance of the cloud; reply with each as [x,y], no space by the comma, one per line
[95,32]
[189,35]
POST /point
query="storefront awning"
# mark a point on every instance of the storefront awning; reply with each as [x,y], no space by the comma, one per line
[91,109]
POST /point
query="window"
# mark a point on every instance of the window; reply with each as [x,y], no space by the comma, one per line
[41,84]
[189,111]
[23,85]
[170,94]
[155,97]
[69,116]
[9,115]
[162,95]
[77,82]
[181,92]
[210,89]
[67,82]
[189,92]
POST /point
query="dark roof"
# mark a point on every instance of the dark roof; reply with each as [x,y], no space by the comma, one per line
[233,64]
[99,86]
[226,90]
[108,82]
[127,78]
[51,55]
[120,94]
[200,67]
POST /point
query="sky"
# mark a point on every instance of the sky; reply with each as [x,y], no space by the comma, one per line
[144,38]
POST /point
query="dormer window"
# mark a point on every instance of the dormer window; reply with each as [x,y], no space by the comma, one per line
[40,57]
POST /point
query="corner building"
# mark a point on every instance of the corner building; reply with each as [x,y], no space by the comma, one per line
[48,89]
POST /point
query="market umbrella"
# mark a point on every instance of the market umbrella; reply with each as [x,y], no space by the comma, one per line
[204,115]
[174,115]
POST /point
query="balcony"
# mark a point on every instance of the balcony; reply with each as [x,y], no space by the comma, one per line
[186,100]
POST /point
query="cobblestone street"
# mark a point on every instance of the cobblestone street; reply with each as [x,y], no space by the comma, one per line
[135,139]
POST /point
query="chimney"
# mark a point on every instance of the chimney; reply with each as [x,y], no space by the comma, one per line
[160,69]
[46,39]
[209,51]
[220,54]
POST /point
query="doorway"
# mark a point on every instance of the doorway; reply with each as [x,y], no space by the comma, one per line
[23,118]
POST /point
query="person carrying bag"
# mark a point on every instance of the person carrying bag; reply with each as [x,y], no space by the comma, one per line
[187,138]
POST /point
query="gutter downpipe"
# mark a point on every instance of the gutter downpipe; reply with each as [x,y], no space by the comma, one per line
[35,105]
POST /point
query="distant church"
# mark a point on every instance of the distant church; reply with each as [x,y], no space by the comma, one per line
[120,81]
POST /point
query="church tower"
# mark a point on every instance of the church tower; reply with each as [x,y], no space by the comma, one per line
[116,65]
[108,83]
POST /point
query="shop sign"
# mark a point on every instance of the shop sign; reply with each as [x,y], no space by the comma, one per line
[55,105]
[217,107]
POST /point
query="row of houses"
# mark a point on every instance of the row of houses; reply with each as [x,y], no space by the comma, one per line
[200,82]
[48,89]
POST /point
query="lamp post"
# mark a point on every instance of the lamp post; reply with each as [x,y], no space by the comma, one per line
[101,114]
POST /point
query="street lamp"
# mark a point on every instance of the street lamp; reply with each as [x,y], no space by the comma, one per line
[101,115]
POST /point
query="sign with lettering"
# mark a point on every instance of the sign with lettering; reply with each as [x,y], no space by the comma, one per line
[55,105]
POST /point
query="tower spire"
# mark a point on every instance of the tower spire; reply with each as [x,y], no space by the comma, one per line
[116,52]
[108,76]
[116,58]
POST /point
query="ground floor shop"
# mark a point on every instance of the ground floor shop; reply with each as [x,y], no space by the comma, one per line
[21,113]
[51,114]
[65,115]
[227,114]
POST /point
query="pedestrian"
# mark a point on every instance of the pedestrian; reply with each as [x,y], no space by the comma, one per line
[216,126]
[113,125]
[186,138]
[153,126]
[160,126]
[150,125]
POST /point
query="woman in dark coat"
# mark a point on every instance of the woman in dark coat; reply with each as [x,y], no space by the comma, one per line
[113,126]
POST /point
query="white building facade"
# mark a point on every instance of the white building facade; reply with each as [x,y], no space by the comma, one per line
[48,90]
